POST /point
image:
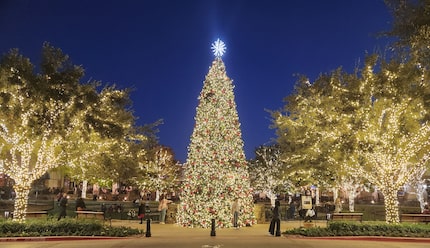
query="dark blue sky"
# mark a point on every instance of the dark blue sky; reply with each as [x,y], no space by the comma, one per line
[162,49]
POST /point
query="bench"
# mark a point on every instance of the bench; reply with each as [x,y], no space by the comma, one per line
[36,214]
[347,217]
[154,216]
[90,215]
[30,214]
[416,218]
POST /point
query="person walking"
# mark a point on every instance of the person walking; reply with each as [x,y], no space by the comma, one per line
[235,208]
[162,207]
[276,220]
[62,205]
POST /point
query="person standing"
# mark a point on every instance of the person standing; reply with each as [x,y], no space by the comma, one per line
[276,220]
[141,212]
[235,208]
[291,210]
[162,207]
[63,205]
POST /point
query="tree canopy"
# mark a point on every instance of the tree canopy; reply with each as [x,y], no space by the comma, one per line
[50,119]
[370,125]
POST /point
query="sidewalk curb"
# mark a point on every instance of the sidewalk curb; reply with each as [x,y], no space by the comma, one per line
[355,238]
[367,238]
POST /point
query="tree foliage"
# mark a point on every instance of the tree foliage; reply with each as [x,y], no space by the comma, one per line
[158,171]
[50,119]
[265,172]
[363,126]
[409,18]
[368,125]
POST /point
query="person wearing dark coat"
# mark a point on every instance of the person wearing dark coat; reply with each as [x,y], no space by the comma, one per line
[63,205]
[291,210]
[141,212]
[276,220]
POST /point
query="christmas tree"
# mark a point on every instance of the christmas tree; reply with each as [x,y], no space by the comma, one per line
[216,169]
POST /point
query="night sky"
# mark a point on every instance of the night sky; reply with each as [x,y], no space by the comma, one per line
[161,49]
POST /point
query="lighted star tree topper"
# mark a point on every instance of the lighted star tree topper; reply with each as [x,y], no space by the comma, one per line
[218,48]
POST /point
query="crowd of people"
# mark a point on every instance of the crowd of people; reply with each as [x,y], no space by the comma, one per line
[293,210]
[142,213]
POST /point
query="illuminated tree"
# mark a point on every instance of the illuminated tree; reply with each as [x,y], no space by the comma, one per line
[395,132]
[83,162]
[159,172]
[265,172]
[412,32]
[33,115]
[81,141]
[381,132]
[216,170]
[110,147]
[311,134]
[113,122]
[340,121]
[49,119]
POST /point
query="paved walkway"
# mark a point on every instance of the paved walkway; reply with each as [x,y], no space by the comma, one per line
[175,230]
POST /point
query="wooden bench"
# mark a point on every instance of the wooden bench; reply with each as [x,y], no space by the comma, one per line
[416,218]
[347,217]
[30,214]
[36,214]
[154,216]
[90,215]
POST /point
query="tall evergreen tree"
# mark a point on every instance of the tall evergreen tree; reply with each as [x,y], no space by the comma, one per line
[216,168]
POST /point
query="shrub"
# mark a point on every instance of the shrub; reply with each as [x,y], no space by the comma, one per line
[365,229]
[67,227]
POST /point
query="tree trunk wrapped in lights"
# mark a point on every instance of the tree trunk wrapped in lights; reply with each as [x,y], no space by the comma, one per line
[391,203]
[21,199]
[25,161]
[216,169]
